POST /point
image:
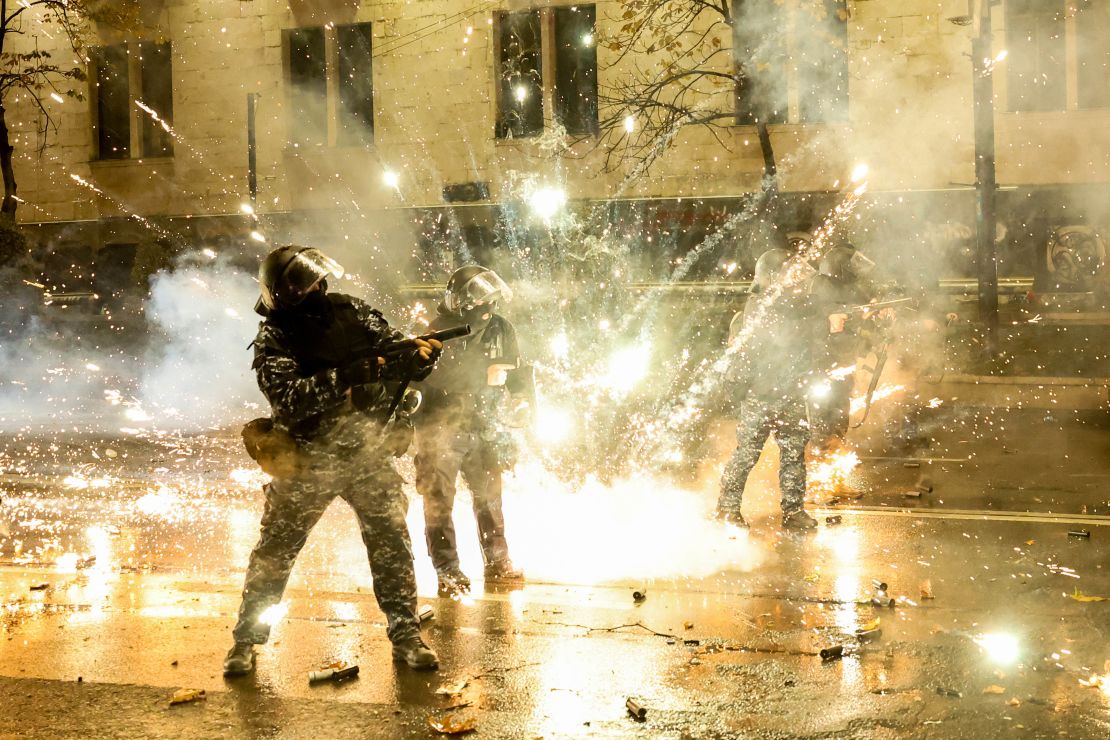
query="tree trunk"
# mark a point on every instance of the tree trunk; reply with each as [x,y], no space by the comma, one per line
[7,209]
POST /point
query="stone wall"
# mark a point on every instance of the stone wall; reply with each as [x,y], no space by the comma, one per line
[434,86]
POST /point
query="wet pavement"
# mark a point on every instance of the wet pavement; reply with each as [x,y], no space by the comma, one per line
[120,574]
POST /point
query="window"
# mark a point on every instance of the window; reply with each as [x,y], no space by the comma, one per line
[113,106]
[308,86]
[562,41]
[520,98]
[1092,34]
[576,69]
[759,45]
[124,75]
[821,51]
[1035,41]
[356,88]
[157,86]
[336,61]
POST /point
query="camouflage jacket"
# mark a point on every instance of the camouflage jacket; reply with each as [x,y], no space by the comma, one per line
[296,358]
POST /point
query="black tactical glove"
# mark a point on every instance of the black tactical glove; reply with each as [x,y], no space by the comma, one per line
[409,366]
[360,372]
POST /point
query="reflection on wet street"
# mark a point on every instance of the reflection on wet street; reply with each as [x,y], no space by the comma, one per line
[127,578]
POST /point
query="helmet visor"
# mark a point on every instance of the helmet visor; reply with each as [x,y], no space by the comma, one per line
[307,268]
[485,288]
[860,264]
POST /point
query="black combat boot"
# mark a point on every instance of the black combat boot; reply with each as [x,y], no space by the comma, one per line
[735,518]
[416,654]
[799,520]
[502,571]
[239,660]
[453,582]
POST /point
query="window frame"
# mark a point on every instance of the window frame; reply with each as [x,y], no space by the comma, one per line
[547,68]
[333,106]
[136,118]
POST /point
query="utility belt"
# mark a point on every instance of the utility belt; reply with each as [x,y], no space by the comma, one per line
[281,455]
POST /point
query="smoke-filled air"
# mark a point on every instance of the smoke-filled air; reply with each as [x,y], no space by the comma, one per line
[771,325]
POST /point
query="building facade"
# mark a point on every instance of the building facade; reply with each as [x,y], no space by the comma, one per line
[412,124]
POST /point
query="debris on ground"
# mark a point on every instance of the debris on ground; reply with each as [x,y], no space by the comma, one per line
[639,593]
[994,689]
[1081,533]
[333,674]
[926,588]
[187,696]
[453,724]
[453,689]
[425,612]
[39,586]
[1087,598]
[636,709]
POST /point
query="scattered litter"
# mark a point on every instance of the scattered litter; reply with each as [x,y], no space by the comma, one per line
[883,600]
[879,585]
[174,664]
[950,692]
[691,642]
[639,593]
[425,612]
[84,563]
[637,710]
[912,494]
[687,625]
[333,674]
[1084,533]
[924,484]
[453,689]
[1086,598]
[832,653]
[869,635]
[834,519]
[187,696]
[994,689]
[1013,701]
[872,625]
[453,724]
[39,586]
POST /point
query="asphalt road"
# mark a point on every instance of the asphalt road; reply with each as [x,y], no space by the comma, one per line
[120,574]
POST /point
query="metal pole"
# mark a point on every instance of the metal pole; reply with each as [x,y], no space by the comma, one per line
[252,150]
[986,183]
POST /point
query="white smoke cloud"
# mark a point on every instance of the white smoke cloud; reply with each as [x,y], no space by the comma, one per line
[198,372]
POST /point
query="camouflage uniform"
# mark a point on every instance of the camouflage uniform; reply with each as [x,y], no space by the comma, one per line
[773,372]
[457,431]
[296,360]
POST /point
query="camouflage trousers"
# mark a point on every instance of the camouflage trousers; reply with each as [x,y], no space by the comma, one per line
[784,418]
[372,488]
[441,454]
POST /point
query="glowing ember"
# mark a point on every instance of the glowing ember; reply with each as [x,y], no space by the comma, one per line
[831,474]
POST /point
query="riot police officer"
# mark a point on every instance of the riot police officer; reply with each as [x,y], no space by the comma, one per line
[314,352]
[839,287]
[459,427]
[772,370]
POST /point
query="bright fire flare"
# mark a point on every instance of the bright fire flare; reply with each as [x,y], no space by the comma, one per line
[832,473]
[881,392]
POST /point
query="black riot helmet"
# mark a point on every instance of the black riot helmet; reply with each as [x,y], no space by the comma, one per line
[290,273]
[473,286]
[844,263]
[768,268]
